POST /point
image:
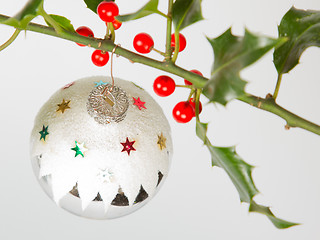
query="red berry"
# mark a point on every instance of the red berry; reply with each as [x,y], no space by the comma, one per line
[143,43]
[84,31]
[107,11]
[164,86]
[182,42]
[116,24]
[194,71]
[183,112]
[194,106]
[100,58]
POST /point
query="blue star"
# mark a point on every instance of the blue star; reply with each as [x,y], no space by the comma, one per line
[100,83]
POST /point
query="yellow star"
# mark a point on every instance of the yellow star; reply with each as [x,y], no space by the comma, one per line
[63,106]
[161,141]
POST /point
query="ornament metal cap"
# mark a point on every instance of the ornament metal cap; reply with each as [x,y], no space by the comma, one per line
[107,103]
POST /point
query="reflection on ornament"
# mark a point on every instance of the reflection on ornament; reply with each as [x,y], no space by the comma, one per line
[161,141]
[63,106]
[44,132]
[139,103]
[103,183]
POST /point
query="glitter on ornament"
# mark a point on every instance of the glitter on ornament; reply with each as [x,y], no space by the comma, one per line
[44,132]
[128,146]
[161,142]
[139,103]
[82,167]
[79,149]
[63,106]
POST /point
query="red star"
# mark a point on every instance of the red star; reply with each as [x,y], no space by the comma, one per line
[128,146]
[139,103]
[68,85]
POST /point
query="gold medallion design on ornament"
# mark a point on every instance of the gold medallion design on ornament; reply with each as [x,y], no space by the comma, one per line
[107,103]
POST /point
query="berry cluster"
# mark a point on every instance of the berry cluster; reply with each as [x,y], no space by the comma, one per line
[183,111]
[107,11]
[164,86]
[143,43]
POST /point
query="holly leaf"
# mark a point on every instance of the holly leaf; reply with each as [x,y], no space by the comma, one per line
[302,28]
[185,13]
[232,54]
[279,223]
[63,22]
[150,8]
[240,174]
[29,12]
[93,4]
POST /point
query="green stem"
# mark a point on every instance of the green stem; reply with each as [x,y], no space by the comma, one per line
[177,46]
[161,14]
[185,86]
[197,102]
[111,35]
[168,54]
[11,39]
[191,93]
[269,104]
[198,81]
[158,51]
[107,45]
[49,19]
[276,91]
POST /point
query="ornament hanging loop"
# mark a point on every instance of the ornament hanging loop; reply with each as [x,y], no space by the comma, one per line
[111,64]
[112,78]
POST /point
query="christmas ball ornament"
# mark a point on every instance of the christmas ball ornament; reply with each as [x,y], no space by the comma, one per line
[101,150]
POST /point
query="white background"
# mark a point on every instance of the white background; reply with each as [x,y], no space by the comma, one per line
[197,201]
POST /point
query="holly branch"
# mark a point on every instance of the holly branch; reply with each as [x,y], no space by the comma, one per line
[232,54]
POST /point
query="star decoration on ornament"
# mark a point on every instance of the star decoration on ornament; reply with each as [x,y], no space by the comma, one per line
[128,146]
[101,83]
[68,85]
[63,106]
[161,142]
[105,175]
[79,149]
[139,103]
[44,132]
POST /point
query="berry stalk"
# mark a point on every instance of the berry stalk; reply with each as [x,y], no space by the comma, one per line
[11,40]
[168,54]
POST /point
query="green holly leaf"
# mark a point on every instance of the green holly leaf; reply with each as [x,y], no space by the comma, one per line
[240,174]
[186,12]
[238,170]
[93,4]
[232,54]
[63,22]
[29,12]
[150,8]
[201,130]
[279,223]
[302,28]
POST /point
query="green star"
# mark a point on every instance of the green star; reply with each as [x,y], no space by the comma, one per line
[79,149]
[44,133]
